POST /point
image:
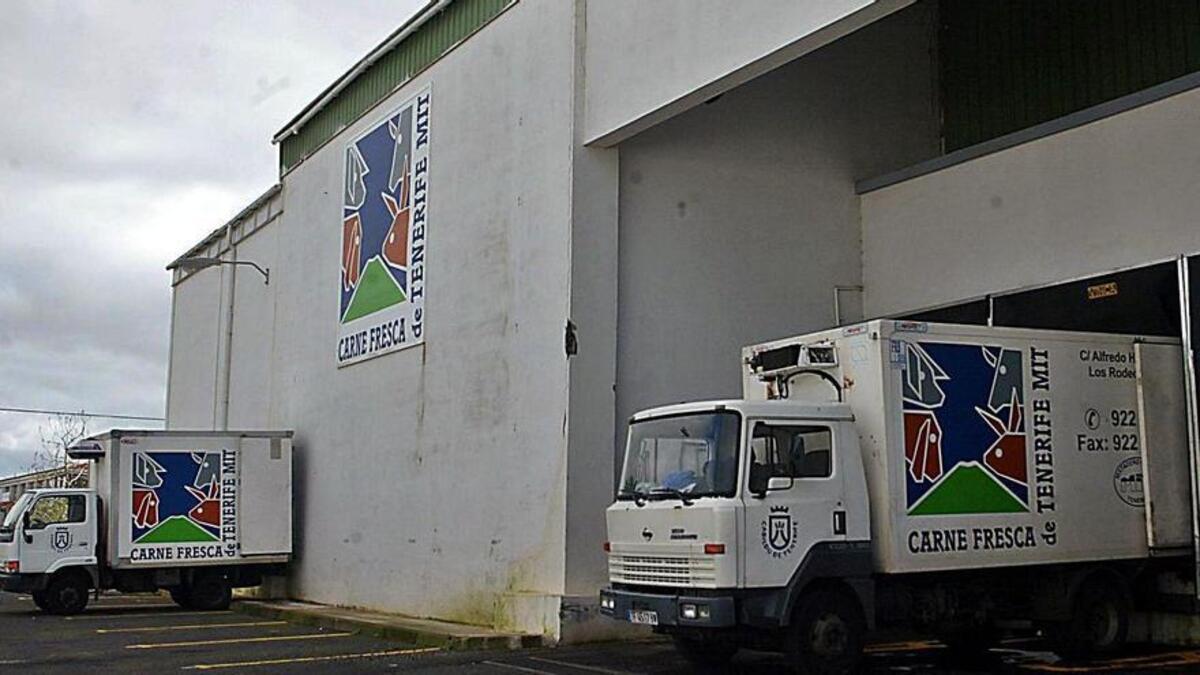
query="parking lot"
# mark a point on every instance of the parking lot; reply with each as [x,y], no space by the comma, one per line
[147,633]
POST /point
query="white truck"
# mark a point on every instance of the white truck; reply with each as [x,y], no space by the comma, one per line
[194,512]
[942,477]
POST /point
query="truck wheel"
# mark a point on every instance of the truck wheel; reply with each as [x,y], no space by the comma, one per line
[210,592]
[826,635]
[39,599]
[706,655]
[67,594]
[179,594]
[1099,621]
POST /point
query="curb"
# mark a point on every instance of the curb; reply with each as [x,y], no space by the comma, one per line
[396,630]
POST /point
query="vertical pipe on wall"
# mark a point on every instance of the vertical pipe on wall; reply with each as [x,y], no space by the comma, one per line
[1193,428]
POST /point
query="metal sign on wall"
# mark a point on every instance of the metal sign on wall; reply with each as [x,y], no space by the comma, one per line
[385,222]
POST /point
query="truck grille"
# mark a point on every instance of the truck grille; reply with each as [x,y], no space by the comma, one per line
[662,570]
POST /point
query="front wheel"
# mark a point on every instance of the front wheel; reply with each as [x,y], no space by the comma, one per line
[826,635]
[39,599]
[67,594]
[706,655]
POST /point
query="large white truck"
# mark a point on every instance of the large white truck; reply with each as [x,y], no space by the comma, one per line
[943,477]
[196,513]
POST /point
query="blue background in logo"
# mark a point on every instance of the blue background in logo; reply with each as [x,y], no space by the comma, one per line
[377,150]
[173,496]
[965,434]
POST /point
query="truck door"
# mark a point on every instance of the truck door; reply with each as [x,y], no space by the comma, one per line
[793,497]
[56,527]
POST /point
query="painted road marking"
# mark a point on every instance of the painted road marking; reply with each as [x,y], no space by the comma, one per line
[594,669]
[102,607]
[1125,664]
[522,669]
[234,641]
[913,646]
[96,616]
[311,659]
[194,626]
[13,662]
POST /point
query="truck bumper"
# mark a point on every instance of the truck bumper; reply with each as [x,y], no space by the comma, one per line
[669,609]
[21,583]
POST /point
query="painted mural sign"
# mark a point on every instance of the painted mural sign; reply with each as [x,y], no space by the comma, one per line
[384,225]
[964,430]
[184,505]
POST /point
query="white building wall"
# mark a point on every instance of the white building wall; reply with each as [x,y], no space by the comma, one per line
[431,481]
[195,334]
[738,218]
[251,356]
[647,61]
[1117,192]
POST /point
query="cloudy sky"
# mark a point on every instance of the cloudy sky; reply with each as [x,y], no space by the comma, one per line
[128,131]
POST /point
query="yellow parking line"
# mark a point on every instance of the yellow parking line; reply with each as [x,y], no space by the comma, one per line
[310,659]
[1126,664]
[102,606]
[579,666]
[96,616]
[194,626]
[913,646]
[234,641]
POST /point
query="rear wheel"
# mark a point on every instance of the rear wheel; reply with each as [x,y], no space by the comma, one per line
[67,594]
[826,635]
[180,595]
[210,592]
[706,655]
[1099,622]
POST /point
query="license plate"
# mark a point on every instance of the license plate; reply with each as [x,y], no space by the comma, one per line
[643,617]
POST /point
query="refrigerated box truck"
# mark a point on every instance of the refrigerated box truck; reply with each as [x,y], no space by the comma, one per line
[944,477]
[196,513]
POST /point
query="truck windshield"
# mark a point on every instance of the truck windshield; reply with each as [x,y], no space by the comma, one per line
[694,455]
[10,519]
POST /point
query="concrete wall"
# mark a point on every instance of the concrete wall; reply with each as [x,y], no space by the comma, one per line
[739,217]
[1116,192]
[195,335]
[647,61]
[432,480]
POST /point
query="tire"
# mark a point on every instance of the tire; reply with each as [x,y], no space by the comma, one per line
[67,594]
[706,655]
[209,592]
[39,599]
[826,635]
[180,595]
[1099,622]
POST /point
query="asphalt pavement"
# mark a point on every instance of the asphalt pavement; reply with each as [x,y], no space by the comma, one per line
[146,633]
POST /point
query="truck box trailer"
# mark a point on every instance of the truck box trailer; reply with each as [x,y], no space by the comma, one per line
[194,512]
[946,477]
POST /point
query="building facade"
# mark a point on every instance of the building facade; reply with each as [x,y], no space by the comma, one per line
[516,222]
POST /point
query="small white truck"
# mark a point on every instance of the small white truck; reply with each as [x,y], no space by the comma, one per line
[946,478]
[194,512]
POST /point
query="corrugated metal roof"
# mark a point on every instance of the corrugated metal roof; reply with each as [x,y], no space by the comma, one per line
[435,30]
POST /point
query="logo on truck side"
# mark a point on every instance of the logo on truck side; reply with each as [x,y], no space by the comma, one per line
[779,532]
[965,446]
[184,505]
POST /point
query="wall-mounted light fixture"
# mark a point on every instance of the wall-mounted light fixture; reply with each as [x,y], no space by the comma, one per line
[199,263]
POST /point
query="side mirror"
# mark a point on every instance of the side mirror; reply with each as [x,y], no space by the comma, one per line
[25,529]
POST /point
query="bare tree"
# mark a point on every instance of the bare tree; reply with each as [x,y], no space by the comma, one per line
[61,432]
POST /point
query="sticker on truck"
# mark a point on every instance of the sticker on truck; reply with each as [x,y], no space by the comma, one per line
[964,429]
[184,505]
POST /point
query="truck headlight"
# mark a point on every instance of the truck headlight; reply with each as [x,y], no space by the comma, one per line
[606,602]
[694,612]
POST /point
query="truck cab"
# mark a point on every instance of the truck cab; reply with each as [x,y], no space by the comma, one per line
[732,518]
[48,544]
